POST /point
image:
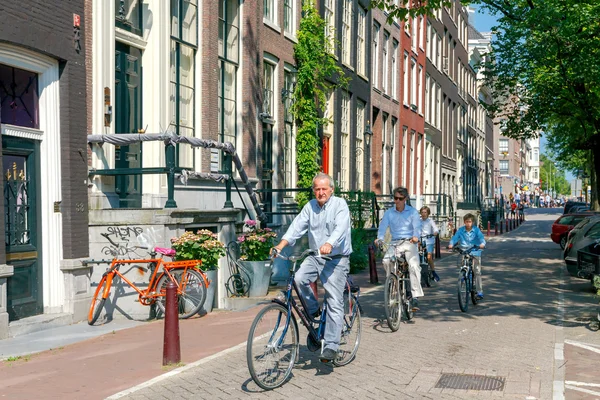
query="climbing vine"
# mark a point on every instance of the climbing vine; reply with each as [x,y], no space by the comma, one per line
[318,73]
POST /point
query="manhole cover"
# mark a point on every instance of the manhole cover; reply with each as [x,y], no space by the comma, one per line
[470,382]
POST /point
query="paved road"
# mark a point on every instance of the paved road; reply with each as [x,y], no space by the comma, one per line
[530,335]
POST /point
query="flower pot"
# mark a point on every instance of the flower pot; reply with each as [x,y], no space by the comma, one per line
[210,293]
[260,276]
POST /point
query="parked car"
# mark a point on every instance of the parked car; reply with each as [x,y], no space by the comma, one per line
[570,203]
[563,225]
[579,209]
[584,234]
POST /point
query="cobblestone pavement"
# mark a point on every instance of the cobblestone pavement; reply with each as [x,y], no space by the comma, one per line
[517,333]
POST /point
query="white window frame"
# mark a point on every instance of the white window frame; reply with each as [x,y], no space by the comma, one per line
[270,13]
[385,79]
[375,55]
[291,8]
[346,31]
[329,17]
[345,141]
[395,71]
[413,81]
[361,36]
[406,86]
[359,144]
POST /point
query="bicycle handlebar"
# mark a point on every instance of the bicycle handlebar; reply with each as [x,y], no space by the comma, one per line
[467,251]
[384,246]
[305,253]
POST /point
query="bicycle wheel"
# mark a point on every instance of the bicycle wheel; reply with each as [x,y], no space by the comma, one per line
[272,346]
[425,274]
[391,301]
[463,291]
[191,292]
[474,298]
[97,302]
[407,304]
[350,338]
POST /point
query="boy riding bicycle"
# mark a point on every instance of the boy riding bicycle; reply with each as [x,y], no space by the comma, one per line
[468,236]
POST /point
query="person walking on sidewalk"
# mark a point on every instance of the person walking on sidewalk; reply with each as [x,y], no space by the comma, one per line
[403,222]
[468,236]
[326,219]
[429,228]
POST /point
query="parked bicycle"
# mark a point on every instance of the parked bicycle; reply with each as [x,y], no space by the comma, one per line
[273,344]
[396,297]
[466,279]
[426,273]
[191,282]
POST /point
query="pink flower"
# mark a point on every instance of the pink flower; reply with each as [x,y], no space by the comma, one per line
[250,222]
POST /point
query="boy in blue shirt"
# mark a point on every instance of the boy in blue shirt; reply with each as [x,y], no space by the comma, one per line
[468,236]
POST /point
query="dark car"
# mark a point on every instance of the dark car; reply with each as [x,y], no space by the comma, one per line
[579,209]
[570,203]
[584,234]
[563,225]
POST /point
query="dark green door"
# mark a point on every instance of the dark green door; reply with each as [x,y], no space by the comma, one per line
[20,166]
[267,168]
[128,119]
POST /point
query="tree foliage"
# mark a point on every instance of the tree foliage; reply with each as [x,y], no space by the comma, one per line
[544,72]
[318,73]
[553,178]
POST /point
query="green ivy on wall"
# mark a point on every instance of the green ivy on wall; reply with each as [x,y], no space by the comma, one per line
[318,73]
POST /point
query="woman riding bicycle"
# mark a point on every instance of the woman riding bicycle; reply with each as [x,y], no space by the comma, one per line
[327,221]
[469,236]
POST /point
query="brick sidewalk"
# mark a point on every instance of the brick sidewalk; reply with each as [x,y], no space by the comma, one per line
[99,367]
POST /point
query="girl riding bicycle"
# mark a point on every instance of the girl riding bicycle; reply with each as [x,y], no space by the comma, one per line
[469,236]
[429,228]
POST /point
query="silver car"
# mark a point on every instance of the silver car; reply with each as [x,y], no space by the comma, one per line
[584,236]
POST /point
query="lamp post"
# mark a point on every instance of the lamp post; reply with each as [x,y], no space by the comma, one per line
[368,134]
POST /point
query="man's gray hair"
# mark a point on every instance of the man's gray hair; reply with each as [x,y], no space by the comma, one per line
[323,175]
[402,191]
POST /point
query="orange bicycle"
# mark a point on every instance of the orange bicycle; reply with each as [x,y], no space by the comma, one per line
[191,282]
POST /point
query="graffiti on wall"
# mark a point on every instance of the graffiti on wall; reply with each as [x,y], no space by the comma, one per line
[120,234]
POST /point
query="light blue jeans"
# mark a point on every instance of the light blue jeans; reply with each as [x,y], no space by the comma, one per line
[332,274]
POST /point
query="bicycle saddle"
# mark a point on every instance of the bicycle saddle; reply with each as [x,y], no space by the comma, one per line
[165,252]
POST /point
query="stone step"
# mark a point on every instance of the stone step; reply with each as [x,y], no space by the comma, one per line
[38,323]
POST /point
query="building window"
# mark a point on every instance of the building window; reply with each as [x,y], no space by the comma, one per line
[289,17]
[359,145]
[268,88]
[385,61]
[413,37]
[330,24]
[128,14]
[360,42]
[419,90]
[395,70]
[375,55]
[405,87]
[228,67]
[184,44]
[288,139]
[345,142]
[270,11]
[503,145]
[19,98]
[503,165]
[413,82]
[346,30]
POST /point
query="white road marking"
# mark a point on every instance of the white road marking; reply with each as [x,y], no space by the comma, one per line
[578,389]
[583,346]
[575,383]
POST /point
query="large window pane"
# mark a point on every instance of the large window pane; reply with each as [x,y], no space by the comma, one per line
[128,15]
[190,22]
[19,97]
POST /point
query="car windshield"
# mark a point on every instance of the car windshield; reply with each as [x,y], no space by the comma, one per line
[565,220]
[594,231]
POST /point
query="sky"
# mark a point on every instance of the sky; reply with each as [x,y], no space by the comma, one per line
[483,23]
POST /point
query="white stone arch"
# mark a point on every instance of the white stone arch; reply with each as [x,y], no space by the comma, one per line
[49,135]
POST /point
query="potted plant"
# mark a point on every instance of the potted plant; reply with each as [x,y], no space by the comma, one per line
[205,246]
[255,245]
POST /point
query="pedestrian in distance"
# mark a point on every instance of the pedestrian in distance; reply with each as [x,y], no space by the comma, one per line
[326,219]
[404,222]
[429,228]
[521,209]
[468,236]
